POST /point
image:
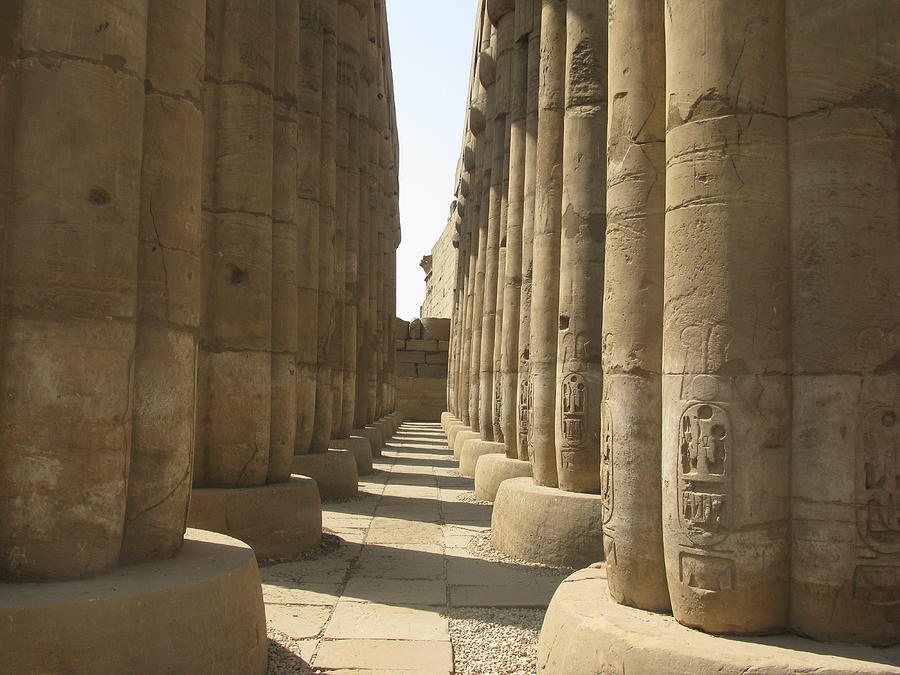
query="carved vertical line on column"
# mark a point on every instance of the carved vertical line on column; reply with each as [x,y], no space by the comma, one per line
[726,337]
[547,224]
[326,304]
[523,386]
[579,369]
[630,433]
[843,72]
[169,278]
[71,211]
[309,177]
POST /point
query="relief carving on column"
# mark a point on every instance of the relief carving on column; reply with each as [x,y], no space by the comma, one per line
[704,479]
[607,495]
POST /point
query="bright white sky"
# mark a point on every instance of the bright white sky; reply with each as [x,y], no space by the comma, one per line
[431,44]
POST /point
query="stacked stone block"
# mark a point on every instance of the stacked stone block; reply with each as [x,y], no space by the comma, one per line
[422,352]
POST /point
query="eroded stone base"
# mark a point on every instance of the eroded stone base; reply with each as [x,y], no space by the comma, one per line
[334,472]
[547,525]
[473,450]
[447,419]
[374,436]
[361,449]
[460,440]
[277,521]
[201,612]
[585,632]
[491,470]
[386,428]
[453,431]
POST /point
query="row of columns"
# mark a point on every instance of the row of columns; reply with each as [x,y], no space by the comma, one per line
[198,212]
[677,228]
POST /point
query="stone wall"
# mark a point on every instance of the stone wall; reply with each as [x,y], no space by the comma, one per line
[440,275]
[422,353]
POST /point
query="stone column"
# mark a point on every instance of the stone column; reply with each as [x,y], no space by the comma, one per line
[235,376]
[630,439]
[168,291]
[512,286]
[324,415]
[506,31]
[478,115]
[843,75]
[579,386]
[284,241]
[350,29]
[496,130]
[548,214]
[523,386]
[309,178]
[469,214]
[70,259]
[726,321]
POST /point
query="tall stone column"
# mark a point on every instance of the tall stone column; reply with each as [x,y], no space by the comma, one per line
[326,305]
[350,29]
[478,116]
[284,241]
[726,320]
[168,290]
[512,285]
[579,385]
[523,386]
[496,129]
[70,288]
[309,178]
[630,469]
[547,224]
[470,214]
[843,74]
[235,376]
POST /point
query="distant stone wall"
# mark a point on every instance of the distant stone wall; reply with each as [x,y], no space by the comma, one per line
[422,353]
[440,276]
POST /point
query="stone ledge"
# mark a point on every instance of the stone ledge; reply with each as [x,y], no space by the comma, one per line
[276,521]
[546,525]
[492,470]
[473,450]
[585,632]
[200,612]
[334,472]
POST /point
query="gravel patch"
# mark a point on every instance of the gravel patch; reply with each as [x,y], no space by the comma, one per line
[469,497]
[495,641]
[330,544]
[285,657]
[481,546]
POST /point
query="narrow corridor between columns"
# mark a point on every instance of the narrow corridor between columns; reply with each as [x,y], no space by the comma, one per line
[412,581]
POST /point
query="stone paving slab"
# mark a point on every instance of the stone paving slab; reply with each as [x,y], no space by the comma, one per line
[423,656]
[397,591]
[386,622]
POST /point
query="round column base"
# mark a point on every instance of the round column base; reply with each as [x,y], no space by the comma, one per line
[491,470]
[396,419]
[374,436]
[461,438]
[199,612]
[361,449]
[448,419]
[473,450]
[386,428]
[333,470]
[277,521]
[586,632]
[453,430]
[546,525]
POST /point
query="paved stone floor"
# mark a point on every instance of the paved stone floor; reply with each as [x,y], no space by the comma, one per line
[379,603]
